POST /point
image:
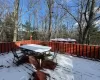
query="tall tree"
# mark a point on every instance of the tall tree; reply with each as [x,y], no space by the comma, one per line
[16,9]
[6,21]
[50,4]
[90,19]
[9,27]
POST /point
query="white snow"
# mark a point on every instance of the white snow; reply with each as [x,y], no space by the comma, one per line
[68,68]
[13,72]
[36,48]
[61,39]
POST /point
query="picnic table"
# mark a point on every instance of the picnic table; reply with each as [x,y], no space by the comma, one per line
[38,50]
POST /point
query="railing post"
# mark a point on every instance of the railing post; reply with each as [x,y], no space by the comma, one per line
[31,39]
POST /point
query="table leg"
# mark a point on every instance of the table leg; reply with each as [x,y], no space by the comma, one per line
[33,67]
[40,62]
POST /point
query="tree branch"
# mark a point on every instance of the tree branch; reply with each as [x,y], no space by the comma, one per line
[69,13]
[97,18]
[86,11]
[97,9]
[28,9]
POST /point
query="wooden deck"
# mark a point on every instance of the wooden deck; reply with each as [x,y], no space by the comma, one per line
[68,68]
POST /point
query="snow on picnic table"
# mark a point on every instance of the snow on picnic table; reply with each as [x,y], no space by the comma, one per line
[68,68]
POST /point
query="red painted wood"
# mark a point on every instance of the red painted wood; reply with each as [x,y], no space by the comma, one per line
[1,48]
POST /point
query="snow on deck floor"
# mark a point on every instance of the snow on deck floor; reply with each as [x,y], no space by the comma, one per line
[69,68]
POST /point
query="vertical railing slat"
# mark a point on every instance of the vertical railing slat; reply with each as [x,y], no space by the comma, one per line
[98,52]
[86,50]
[90,52]
[94,53]
[0,48]
[79,51]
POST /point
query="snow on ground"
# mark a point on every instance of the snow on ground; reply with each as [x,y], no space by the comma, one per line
[13,72]
[68,68]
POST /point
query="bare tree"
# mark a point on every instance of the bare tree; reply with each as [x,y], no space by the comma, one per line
[50,4]
[5,7]
[58,16]
[85,17]
[16,19]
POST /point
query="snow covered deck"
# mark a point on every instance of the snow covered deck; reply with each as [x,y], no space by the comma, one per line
[69,68]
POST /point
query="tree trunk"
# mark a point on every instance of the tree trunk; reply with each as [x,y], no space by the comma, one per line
[50,24]
[89,22]
[50,6]
[16,19]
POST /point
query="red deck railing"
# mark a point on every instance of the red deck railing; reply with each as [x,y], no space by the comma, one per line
[86,51]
